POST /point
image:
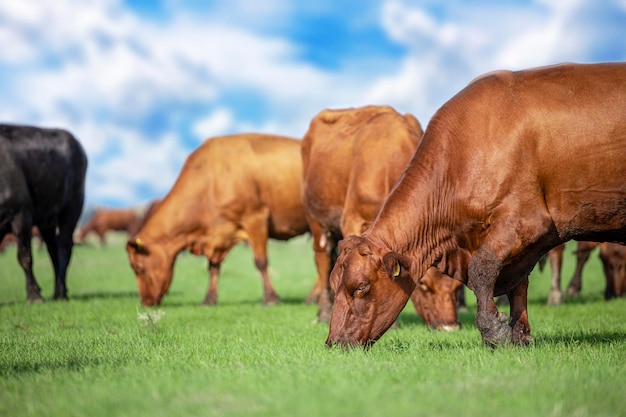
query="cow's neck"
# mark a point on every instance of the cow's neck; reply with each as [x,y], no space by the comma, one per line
[416,219]
[169,227]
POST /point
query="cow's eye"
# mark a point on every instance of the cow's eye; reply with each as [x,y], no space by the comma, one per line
[362,290]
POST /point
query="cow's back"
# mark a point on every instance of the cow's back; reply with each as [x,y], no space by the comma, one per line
[52,164]
[230,177]
[554,135]
[277,174]
[351,158]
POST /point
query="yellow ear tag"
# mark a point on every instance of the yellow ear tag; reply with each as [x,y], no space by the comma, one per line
[397,270]
[139,244]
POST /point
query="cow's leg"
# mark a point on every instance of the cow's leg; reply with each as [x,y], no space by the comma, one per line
[322,262]
[555,255]
[609,275]
[325,304]
[509,235]
[49,235]
[461,304]
[583,251]
[256,225]
[22,228]
[102,236]
[269,293]
[214,274]
[323,245]
[215,263]
[519,314]
[620,284]
[484,268]
[67,220]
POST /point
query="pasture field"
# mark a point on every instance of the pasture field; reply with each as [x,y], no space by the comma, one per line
[101,354]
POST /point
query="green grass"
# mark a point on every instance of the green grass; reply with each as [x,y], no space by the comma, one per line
[98,354]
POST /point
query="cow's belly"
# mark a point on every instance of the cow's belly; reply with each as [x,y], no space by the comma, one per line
[590,214]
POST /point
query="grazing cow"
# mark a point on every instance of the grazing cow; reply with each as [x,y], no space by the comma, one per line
[109,219]
[502,175]
[555,256]
[351,160]
[42,183]
[613,256]
[231,189]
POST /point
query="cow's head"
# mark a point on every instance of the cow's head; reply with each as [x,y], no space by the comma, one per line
[371,290]
[613,256]
[153,270]
[435,300]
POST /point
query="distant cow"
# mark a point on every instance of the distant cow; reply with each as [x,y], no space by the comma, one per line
[231,189]
[613,258]
[351,160]
[104,220]
[42,183]
[555,255]
[503,174]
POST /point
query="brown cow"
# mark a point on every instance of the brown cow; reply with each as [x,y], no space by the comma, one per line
[502,175]
[231,189]
[613,258]
[351,159]
[104,220]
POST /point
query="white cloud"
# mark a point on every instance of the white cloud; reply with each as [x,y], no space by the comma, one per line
[112,68]
[105,73]
[138,163]
[445,54]
[219,122]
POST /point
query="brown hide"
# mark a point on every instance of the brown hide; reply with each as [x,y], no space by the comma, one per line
[502,175]
[613,256]
[231,189]
[104,220]
[351,160]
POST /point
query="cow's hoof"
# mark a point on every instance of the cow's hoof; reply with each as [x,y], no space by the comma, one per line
[496,331]
[497,337]
[312,299]
[522,339]
[271,300]
[555,298]
[210,300]
[34,299]
[520,335]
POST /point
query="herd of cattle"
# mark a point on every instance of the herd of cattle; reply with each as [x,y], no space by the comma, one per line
[508,170]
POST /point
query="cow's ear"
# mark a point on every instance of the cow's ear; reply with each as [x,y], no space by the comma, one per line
[397,266]
[138,245]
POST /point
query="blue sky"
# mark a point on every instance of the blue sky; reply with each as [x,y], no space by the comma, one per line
[143,83]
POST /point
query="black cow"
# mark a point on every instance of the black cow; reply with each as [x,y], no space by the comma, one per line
[42,183]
